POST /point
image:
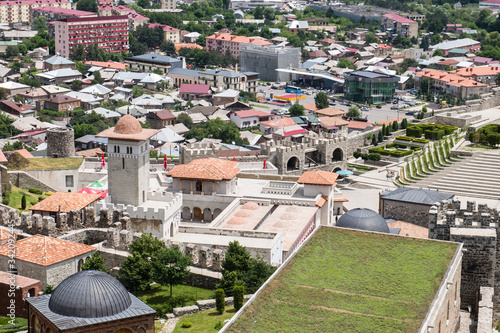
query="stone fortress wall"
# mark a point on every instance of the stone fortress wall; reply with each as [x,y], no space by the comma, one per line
[477,227]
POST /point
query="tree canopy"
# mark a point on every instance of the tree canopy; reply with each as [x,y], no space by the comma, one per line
[321,100]
[296,110]
[87,5]
[171,267]
[217,129]
[94,262]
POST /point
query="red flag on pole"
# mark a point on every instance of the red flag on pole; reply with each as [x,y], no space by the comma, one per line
[103,163]
[234,159]
[264,163]
[165,162]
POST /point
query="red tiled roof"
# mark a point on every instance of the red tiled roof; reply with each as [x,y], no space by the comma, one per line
[206,168]
[318,177]
[24,153]
[194,88]
[398,18]
[281,122]
[164,114]
[45,251]
[331,112]
[106,64]
[5,234]
[20,281]
[19,107]
[65,202]
[63,99]
[3,159]
[362,125]
[252,113]
[163,26]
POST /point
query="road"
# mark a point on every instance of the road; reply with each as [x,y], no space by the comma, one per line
[374,115]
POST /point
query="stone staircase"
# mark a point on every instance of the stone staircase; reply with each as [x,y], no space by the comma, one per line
[476,176]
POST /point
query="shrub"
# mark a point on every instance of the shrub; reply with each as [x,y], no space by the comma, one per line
[434,134]
[23,202]
[239,291]
[35,190]
[220,302]
[40,198]
[414,131]
[6,200]
[374,157]
[218,325]
[404,138]
[356,154]
[186,324]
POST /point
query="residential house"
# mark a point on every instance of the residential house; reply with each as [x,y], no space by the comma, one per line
[24,288]
[62,103]
[58,62]
[17,108]
[135,20]
[465,44]
[248,118]
[33,95]
[225,97]
[14,88]
[484,74]
[271,126]
[4,73]
[191,37]
[398,25]
[160,119]
[223,80]
[183,75]
[359,126]
[452,84]
[189,92]
[87,101]
[295,26]
[169,33]
[59,76]
[222,42]
[150,62]
[335,125]
[53,90]
[97,89]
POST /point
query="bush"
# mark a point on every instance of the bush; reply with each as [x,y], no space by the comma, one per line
[23,202]
[356,154]
[219,325]
[404,138]
[239,291]
[186,324]
[220,302]
[169,305]
[6,200]
[414,131]
[35,190]
[374,157]
[434,134]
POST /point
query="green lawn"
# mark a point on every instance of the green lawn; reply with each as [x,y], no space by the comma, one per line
[348,281]
[159,325]
[204,321]
[159,295]
[6,327]
[17,194]
[53,163]
[360,167]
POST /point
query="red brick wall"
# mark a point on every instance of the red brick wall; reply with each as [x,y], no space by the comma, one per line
[20,294]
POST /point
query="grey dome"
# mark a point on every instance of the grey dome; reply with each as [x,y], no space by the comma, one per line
[89,294]
[363,219]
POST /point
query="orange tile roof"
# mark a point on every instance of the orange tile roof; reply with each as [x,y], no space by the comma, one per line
[206,168]
[310,107]
[90,152]
[478,71]
[3,159]
[362,125]
[332,121]
[389,122]
[321,201]
[279,122]
[409,229]
[451,79]
[318,177]
[24,153]
[5,234]
[331,112]
[65,201]
[107,64]
[343,199]
[21,281]
[45,251]
[179,46]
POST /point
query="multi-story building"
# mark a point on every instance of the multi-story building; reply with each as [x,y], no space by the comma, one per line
[135,20]
[105,10]
[223,80]
[265,61]
[56,14]
[20,11]
[110,33]
[222,42]
[371,87]
[402,26]
[452,84]
[151,61]
[168,4]
[465,44]
[252,4]
[169,33]
[484,74]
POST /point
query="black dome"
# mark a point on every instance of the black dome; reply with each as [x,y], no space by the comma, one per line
[363,219]
[89,294]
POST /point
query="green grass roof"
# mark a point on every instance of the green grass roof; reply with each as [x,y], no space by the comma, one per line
[351,281]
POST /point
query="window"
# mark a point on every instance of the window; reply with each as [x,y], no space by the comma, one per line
[69,181]
[123,163]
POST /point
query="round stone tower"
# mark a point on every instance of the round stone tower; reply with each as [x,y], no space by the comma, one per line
[60,142]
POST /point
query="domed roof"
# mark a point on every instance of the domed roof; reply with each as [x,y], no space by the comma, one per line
[363,219]
[250,206]
[128,125]
[237,220]
[89,294]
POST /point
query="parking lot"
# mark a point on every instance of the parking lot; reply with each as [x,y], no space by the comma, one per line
[373,114]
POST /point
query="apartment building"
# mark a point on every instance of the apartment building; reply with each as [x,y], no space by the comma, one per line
[109,32]
[168,4]
[20,11]
[484,74]
[223,80]
[221,42]
[452,84]
[105,10]
[395,24]
[57,13]
[169,33]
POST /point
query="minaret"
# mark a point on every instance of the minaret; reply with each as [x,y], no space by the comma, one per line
[128,161]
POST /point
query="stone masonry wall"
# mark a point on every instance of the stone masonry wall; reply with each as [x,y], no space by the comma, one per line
[404,211]
[23,180]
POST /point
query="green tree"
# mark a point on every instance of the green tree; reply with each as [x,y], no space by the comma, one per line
[380,136]
[95,263]
[80,66]
[171,267]
[370,38]
[438,53]
[346,63]
[296,110]
[23,202]
[374,140]
[220,302]
[266,33]
[239,295]
[11,51]
[425,85]
[97,78]
[388,130]
[76,85]
[78,54]
[168,46]
[353,112]
[258,13]
[39,23]
[137,91]
[84,129]
[321,100]
[136,272]
[395,125]
[87,5]
[49,289]
[185,119]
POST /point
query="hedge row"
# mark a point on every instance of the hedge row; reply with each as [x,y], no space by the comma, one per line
[435,134]
[406,138]
[393,153]
[431,131]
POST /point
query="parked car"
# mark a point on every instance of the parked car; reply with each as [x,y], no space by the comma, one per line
[410,113]
[395,101]
[379,106]
[394,107]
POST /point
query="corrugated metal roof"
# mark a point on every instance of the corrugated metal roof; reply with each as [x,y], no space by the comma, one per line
[421,196]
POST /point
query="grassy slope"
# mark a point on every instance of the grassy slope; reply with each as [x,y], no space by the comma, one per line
[16,197]
[53,163]
[343,281]
[203,321]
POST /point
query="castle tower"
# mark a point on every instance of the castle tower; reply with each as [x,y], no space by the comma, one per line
[128,161]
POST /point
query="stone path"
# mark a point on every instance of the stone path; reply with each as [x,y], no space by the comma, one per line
[169,325]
